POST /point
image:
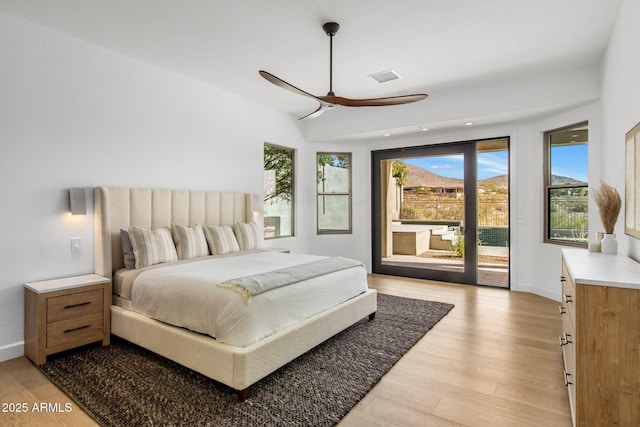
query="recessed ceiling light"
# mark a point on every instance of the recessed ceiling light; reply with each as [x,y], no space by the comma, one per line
[422,128]
[468,124]
[425,129]
[387,134]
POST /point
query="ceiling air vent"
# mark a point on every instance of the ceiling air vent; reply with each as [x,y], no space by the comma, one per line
[385,76]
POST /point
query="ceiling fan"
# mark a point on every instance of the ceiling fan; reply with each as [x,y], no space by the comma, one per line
[330,101]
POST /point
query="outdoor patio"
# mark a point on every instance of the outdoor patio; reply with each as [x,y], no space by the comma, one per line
[493,272]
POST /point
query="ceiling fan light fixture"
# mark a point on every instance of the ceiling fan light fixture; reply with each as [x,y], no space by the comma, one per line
[385,76]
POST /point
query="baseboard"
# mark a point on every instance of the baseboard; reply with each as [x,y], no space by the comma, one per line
[547,293]
[11,351]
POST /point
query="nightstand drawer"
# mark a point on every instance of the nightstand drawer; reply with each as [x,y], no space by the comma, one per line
[74,332]
[74,305]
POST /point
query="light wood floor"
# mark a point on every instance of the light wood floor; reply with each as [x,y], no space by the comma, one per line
[494,360]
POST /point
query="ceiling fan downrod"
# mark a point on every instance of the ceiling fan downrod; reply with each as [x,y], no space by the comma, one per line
[331,28]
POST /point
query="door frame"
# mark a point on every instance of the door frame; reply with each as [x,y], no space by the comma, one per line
[469,150]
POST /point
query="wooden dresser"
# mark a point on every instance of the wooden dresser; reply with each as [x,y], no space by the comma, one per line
[65,313]
[601,339]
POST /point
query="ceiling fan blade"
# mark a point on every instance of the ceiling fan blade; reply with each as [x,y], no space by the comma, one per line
[374,102]
[284,85]
[324,105]
[314,114]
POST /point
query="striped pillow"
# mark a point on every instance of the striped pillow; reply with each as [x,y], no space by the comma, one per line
[152,246]
[247,234]
[190,241]
[221,239]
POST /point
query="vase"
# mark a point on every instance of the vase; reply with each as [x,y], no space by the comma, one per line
[609,244]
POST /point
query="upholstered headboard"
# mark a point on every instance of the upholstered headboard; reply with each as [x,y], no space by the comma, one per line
[121,208]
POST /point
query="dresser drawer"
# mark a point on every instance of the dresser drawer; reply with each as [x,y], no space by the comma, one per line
[74,332]
[568,295]
[567,339]
[570,374]
[568,344]
[74,305]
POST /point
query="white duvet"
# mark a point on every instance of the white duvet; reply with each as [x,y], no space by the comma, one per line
[187,295]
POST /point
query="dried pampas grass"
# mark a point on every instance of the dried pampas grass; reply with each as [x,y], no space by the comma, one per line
[609,203]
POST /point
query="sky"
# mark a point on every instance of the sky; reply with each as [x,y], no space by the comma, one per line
[489,164]
[568,161]
[571,161]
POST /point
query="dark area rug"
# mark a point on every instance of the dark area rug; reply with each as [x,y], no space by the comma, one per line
[125,385]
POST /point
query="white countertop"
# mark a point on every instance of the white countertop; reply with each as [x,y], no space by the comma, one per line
[65,283]
[595,268]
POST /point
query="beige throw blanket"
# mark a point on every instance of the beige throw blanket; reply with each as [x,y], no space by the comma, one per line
[254,285]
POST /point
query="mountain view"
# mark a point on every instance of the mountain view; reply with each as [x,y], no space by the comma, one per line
[559,179]
[422,178]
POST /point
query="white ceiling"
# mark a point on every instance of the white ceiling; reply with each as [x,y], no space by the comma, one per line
[429,43]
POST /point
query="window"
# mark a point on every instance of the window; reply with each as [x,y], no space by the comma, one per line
[334,193]
[278,191]
[566,185]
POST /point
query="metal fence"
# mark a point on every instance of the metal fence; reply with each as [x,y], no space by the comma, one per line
[569,218]
[490,212]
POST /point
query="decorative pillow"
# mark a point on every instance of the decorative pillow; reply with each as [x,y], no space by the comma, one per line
[190,241]
[221,239]
[247,234]
[127,249]
[152,246]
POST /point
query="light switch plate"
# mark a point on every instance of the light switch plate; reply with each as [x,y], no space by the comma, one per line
[75,244]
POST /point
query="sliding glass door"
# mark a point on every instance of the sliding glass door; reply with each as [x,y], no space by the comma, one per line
[434,205]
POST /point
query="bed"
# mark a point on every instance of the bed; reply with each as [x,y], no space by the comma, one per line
[238,361]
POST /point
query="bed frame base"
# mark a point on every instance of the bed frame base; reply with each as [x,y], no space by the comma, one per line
[244,394]
[240,367]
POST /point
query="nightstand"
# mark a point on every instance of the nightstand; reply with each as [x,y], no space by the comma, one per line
[65,313]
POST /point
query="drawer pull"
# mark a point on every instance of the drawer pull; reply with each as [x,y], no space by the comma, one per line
[566,338]
[568,298]
[562,309]
[77,329]
[566,378]
[563,279]
[77,305]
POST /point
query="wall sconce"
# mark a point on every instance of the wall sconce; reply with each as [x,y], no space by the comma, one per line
[256,203]
[77,201]
[257,207]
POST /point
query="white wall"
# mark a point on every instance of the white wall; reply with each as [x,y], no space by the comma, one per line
[75,115]
[539,268]
[621,106]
